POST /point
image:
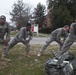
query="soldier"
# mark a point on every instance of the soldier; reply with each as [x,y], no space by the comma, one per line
[4,36]
[70,39]
[55,36]
[24,36]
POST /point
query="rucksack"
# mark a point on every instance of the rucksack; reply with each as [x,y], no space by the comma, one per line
[66,65]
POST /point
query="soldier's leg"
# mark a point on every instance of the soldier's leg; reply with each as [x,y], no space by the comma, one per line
[68,42]
[4,51]
[47,43]
[27,48]
[10,45]
[60,44]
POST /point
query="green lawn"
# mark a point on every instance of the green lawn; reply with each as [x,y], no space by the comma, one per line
[21,65]
[13,33]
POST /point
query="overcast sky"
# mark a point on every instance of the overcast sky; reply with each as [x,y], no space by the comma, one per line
[6,5]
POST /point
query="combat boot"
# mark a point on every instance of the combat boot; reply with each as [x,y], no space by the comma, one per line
[39,54]
[27,54]
[4,58]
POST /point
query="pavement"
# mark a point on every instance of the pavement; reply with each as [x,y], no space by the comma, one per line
[40,40]
[36,40]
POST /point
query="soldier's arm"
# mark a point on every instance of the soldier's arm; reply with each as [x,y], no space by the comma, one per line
[72,28]
[31,36]
[59,37]
[65,36]
[21,34]
[8,34]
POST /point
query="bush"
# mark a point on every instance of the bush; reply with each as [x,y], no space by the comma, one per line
[45,30]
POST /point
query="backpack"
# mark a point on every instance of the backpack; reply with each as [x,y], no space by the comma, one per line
[66,65]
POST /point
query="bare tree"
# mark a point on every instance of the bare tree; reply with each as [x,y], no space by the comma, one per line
[20,13]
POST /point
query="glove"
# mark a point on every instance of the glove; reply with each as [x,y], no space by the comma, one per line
[27,39]
[5,42]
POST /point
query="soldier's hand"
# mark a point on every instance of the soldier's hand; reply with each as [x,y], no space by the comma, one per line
[5,42]
[27,39]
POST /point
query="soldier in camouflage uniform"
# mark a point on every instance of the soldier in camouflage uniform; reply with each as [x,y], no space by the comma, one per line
[70,39]
[24,36]
[4,36]
[55,36]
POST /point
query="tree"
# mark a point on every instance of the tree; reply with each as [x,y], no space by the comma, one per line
[71,6]
[39,14]
[61,17]
[60,13]
[20,13]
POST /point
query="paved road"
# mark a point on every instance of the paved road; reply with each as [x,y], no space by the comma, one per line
[38,40]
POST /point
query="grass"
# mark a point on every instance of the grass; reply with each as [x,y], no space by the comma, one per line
[40,35]
[13,33]
[21,65]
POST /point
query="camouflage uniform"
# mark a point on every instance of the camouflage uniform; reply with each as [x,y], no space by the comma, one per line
[4,35]
[55,36]
[21,36]
[70,39]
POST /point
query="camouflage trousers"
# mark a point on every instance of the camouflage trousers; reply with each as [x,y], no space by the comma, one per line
[68,42]
[4,50]
[14,42]
[48,42]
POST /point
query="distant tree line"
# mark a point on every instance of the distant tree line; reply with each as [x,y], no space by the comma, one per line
[61,12]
